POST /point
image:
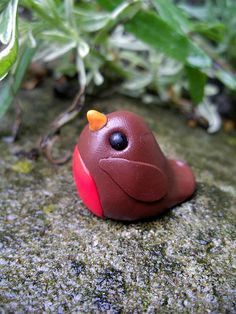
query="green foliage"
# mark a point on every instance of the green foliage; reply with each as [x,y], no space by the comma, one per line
[172,15]
[212,18]
[8,37]
[149,45]
[12,85]
[197,81]
[3,4]
[146,25]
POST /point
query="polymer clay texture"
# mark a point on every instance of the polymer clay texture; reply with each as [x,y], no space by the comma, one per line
[131,184]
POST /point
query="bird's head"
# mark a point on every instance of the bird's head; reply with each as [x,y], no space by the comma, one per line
[120,134]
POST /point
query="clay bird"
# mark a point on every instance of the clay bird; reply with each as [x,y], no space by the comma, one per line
[120,171]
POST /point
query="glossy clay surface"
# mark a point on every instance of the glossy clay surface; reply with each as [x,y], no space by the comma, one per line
[135,183]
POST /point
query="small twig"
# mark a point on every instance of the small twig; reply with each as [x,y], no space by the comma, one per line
[47,142]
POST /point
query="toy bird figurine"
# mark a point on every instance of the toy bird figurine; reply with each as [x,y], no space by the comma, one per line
[120,171]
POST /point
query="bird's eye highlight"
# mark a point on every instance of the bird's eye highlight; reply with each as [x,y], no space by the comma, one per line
[118,141]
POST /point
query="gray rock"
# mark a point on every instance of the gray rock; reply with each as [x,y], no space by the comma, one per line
[57,257]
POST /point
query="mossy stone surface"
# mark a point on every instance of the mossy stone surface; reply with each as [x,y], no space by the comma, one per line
[56,257]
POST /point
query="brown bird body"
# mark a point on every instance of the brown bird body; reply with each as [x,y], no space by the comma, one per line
[137,181]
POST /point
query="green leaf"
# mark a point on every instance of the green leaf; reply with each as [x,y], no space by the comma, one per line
[5,25]
[173,15]
[54,36]
[91,22]
[109,4]
[125,11]
[138,82]
[152,30]
[3,4]
[8,37]
[196,82]
[69,11]
[213,31]
[10,87]
[48,53]
[226,78]
[196,11]
[24,61]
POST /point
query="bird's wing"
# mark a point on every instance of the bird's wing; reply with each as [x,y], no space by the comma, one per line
[141,181]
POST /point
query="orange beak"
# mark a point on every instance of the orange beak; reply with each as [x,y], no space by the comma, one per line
[96,120]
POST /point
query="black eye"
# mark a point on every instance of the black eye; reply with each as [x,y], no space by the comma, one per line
[118,141]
